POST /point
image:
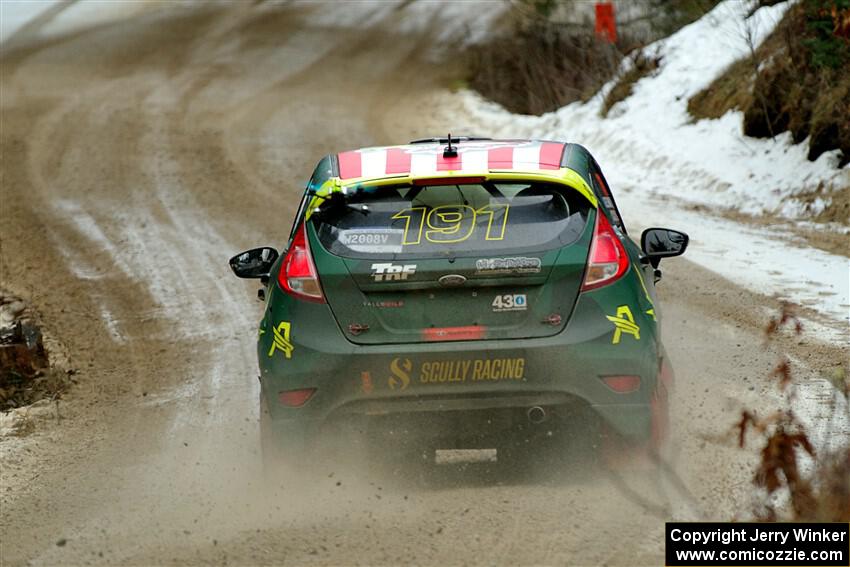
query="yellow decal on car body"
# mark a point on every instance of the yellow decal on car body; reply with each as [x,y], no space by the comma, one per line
[624,322]
[400,379]
[445,224]
[445,371]
[639,272]
[281,340]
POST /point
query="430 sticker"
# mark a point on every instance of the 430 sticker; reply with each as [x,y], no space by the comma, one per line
[509,302]
[451,223]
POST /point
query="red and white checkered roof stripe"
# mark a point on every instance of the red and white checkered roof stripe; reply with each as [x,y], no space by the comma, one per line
[427,159]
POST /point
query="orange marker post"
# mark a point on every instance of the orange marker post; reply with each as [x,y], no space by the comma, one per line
[606,24]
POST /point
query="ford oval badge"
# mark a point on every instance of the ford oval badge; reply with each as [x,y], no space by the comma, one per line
[452,280]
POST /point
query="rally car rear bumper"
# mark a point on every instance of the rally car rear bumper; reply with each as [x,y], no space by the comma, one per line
[365,384]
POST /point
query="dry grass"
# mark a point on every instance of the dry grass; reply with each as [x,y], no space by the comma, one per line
[541,68]
[806,235]
[19,391]
[796,81]
[823,495]
[545,58]
[838,210]
[830,125]
[730,91]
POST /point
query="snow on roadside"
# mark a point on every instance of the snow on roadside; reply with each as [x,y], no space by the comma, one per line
[449,23]
[454,23]
[16,15]
[710,162]
[61,17]
[666,171]
[824,413]
[758,259]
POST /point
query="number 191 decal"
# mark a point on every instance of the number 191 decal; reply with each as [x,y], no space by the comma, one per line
[509,302]
[451,223]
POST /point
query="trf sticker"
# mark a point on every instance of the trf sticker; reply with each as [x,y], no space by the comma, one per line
[509,302]
[624,323]
[388,272]
[281,340]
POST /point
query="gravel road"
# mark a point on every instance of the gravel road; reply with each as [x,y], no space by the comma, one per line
[137,157]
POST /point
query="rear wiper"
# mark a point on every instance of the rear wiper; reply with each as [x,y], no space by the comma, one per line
[462,198]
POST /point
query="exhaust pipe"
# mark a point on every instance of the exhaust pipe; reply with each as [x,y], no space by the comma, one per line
[537,415]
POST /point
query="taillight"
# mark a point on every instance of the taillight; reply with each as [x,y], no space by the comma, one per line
[470,333]
[298,274]
[622,384]
[607,260]
[296,398]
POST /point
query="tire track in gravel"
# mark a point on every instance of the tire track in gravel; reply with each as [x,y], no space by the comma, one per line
[143,154]
[125,174]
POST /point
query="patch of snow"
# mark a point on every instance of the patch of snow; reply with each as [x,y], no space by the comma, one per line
[824,413]
[450,22]
[461,23]
[14,15]
[667,171]
[111,324]
[89,13]
[758,259]
[349,15]
[75,261]
[17,422]
[831,227]
[62,17]
[88,226]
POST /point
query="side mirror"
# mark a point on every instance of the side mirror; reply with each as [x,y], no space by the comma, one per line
[659,243]
[254,263]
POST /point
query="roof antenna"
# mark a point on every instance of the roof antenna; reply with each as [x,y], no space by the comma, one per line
[450,150]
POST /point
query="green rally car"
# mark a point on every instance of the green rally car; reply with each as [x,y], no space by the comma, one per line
[460,293]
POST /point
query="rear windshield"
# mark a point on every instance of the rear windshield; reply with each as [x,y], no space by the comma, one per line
[407,221]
